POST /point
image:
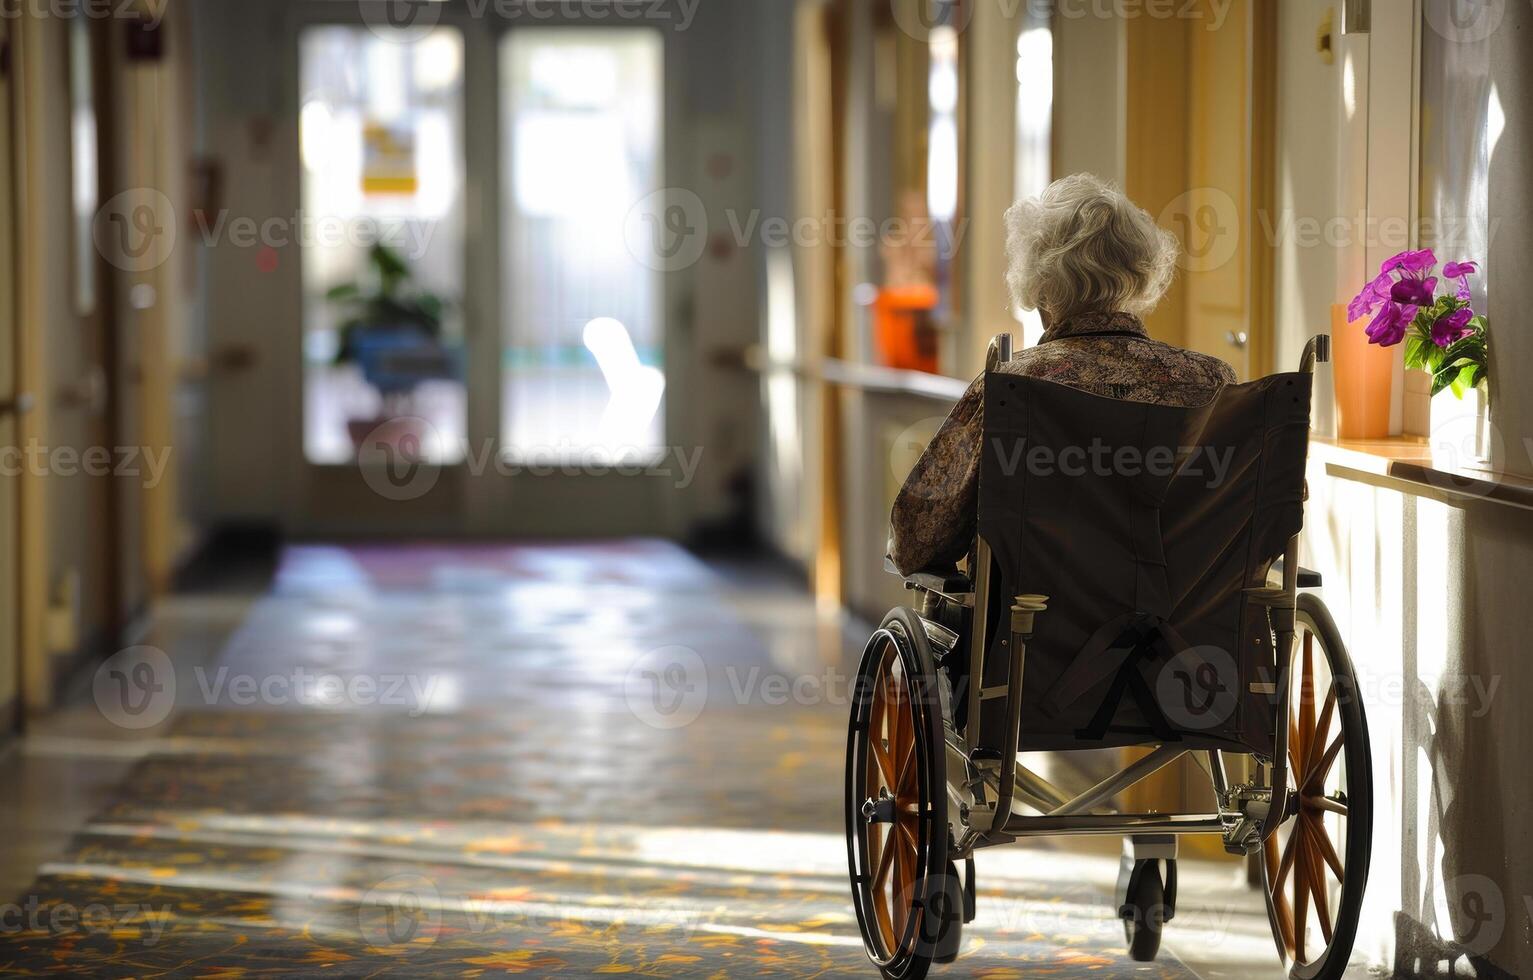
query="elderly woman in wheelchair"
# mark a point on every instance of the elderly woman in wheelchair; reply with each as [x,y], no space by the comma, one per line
[1104,539]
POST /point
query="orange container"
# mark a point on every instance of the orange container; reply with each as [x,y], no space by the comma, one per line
[902,327]
[1363,374]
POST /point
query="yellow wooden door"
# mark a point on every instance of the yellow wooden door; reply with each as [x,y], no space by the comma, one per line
[1217,297]
[10,666]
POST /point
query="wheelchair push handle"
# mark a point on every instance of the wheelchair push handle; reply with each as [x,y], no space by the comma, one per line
[999,351]
[1316,351]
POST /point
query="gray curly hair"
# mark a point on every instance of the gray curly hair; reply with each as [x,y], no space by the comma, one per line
[1082,246]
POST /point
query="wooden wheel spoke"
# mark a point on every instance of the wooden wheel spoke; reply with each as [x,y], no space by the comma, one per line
[1325,804]
[903,786]
[1317,888]
[885,862]
[1286,864]
[1293,754]
[1322,727]
[885,764]
[1307,697]
[902,736]
[1300,892]
[1328,851]
[1283,913]
[1315,779]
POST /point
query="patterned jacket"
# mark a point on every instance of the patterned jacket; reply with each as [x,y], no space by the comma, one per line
[1106,354]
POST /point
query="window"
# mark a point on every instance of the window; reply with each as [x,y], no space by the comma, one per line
[582,369]
[381,231]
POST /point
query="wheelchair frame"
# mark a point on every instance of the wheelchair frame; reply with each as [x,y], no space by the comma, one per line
[1245,815]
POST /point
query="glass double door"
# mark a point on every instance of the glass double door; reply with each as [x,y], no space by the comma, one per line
[433,249]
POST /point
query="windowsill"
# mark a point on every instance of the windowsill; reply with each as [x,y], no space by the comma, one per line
[1410,465]
[872,378]
[892,381]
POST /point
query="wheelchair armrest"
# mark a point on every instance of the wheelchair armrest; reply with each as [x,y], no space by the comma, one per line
[948,581]
[1308,577]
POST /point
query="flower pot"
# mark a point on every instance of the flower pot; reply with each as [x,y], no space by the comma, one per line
[1363,374]
[402,437]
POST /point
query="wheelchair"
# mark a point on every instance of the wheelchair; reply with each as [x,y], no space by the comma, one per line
[1147,606]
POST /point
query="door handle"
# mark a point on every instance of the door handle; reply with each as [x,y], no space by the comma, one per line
[1237,338]
[21,404]
[87,393]
[234,358]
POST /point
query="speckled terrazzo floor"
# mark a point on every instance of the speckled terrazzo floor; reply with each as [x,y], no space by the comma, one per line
[477,761]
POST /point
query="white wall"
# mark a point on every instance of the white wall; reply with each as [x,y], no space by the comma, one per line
[1309,118]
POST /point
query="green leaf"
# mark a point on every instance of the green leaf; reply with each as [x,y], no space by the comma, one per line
[1415,353]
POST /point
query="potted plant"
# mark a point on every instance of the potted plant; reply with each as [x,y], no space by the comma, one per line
[1431,313]
[391,328]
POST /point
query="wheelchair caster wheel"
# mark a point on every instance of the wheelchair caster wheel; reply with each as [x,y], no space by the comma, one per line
[948,908]
[1144,912]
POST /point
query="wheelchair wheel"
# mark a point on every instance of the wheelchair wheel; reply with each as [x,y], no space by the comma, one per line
[896,804]
[1315,865]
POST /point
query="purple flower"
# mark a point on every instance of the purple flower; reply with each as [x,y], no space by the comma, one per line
[1460,271]
[1372,295]
[1388,328]
[1452,327]
[1414,292]
[1417,261]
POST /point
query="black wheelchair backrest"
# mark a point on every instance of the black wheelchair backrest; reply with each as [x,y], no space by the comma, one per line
[1144,525]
